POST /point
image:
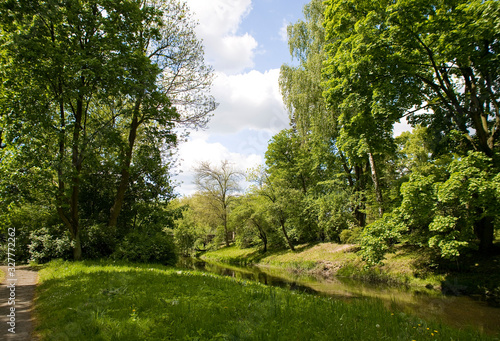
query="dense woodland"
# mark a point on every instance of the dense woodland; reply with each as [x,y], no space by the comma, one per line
[93,94]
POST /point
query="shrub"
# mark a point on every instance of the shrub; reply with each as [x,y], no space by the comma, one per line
[147,247]
[98,241]
[49,243]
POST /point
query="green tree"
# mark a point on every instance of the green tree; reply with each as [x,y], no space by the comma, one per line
[397,57]
[253,222]
[90,84]
[168,42]
[413,54]
[219,185]
[61,57]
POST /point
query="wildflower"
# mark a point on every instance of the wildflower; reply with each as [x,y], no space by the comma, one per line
[432,334]
[435,331]
[377,325]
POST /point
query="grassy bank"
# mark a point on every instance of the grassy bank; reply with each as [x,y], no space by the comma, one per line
[105,301]
[477,275]
[329,259]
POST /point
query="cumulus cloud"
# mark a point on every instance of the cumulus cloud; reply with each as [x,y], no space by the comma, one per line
[219,21]
[251,100]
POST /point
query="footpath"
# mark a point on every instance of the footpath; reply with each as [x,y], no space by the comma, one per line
[21,298]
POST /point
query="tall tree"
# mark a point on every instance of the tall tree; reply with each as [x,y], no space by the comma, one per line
[170,44]
[95,80]
[64,57]
[219,185]
[397,57]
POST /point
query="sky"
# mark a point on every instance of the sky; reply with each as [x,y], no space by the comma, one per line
[245,42]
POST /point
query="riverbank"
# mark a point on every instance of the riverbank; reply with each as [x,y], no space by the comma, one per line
[120,301]
[412,268]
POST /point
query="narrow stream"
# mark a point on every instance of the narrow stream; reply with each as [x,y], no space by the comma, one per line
[457,311]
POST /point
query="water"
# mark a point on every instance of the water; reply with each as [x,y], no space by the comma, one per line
[457,311]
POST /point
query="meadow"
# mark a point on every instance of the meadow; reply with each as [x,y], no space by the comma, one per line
[122,301]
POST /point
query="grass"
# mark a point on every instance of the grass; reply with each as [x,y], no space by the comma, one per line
[2,276]
[328,259]
[119,301]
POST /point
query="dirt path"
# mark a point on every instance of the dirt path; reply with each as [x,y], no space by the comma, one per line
[25,280]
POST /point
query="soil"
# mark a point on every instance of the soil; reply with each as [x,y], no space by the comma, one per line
[25,280]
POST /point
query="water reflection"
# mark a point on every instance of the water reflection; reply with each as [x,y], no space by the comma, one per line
[456,311]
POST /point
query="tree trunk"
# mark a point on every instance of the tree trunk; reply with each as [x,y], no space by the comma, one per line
[226,234]
[125,172]
[359,213]
[262,234]
[288,241]
[378,191]
[77,248]
[76,163]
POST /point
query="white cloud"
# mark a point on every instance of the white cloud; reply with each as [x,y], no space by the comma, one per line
[197,149]
[219,21]
[283,33]
[401,126]
[251,100]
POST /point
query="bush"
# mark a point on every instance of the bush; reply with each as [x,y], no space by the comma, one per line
[98,241]
[36,224]
[351,235]
[49,243]
[147,247]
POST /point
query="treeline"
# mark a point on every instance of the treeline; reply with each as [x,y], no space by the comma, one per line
[339,174]
[93,95]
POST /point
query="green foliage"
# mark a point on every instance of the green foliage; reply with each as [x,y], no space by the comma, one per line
[98,241]
[351,235]
[450,211]
[379,236]
[37,225]
[147,247]
[49,243]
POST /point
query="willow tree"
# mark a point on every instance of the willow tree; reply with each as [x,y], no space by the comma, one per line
[302,90]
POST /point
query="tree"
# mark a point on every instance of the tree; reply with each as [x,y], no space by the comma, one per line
[397,57]
[416,54]
[92,83]
[252,221]
[170,44]
[63,58]
[219,185]
[278,201]
[314,118]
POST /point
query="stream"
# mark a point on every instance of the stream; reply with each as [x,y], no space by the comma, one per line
[456,311]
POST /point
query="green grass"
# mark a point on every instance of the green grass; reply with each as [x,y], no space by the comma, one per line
[2,276]
[234,255]
[328,259]
[107,301]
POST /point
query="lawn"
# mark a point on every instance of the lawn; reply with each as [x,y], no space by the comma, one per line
[119,301]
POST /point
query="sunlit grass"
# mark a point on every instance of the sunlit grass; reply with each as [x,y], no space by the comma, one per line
[331,259]
[106,301]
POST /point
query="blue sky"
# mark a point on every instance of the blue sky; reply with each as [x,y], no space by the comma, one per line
[245,42]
